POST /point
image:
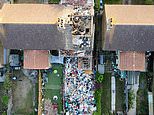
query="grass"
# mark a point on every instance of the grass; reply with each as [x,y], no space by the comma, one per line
[53,87]
[53,1]
[106,94]
[2,93]
[98,96]
[120,98]
[22,96]
[27,104]
[36,94]
[142,96]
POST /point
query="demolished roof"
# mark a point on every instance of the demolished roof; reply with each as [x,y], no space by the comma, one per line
[131,32]
[36,59]
[132,61]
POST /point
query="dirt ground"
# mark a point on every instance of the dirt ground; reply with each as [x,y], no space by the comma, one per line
[23,97]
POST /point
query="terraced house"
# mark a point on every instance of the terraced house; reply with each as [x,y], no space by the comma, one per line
[56,43]
[128,30]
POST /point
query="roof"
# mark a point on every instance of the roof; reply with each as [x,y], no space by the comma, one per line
[131,32]
[36,59]
[34,37]
[130,38]
[130,14]
[34,13]
[132,61]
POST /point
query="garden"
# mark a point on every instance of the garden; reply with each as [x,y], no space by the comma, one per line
[103,93]
[54,86]
[142,96]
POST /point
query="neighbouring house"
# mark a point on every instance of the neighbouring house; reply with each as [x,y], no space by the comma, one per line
[128,30]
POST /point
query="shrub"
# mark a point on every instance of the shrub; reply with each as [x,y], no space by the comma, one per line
[131,99]
[99,77]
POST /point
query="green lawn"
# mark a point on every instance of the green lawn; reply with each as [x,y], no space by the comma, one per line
[106,94]
[120,94]
[142,96]
[27,104]
[2,93]
[54,85]
[98,96]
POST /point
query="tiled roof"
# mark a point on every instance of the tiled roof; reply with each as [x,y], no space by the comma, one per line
[34,37]
[132,61]
[132,28]
[130,14]
[130,38]
[36,59]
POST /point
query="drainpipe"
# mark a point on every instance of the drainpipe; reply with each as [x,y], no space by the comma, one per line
[5,56]
[126,89]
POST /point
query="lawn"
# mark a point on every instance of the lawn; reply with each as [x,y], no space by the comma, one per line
[98,96]
[142,96]
[2,93]
[106,94]
[54,86]
[23,97]
[120,98]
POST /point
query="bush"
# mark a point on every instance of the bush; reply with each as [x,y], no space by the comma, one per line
[131,99]
[99,77]
[4,113]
